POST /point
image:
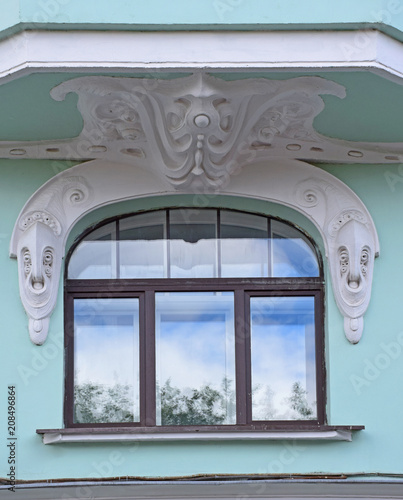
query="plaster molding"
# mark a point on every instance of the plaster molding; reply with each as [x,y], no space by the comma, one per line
[194,130]
[347,229]
[190,130]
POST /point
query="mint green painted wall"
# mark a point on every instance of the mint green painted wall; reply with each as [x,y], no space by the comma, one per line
[210,12]
[376,403]
[10,13]
[200,15]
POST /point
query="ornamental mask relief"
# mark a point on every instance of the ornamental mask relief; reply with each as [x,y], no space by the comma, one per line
[38,269]
[353,263]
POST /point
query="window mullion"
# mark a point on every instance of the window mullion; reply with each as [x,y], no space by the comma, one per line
[241,354]
[147,383]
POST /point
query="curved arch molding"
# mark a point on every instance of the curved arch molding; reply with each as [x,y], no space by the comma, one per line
[40,232]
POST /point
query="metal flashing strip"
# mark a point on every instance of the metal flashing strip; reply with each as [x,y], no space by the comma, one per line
[165,489]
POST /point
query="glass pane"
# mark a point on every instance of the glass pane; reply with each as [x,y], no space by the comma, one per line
[195,358]
[95,256]
[283,358]
[142,249]
[293,254]
[244,245]
[106,360]
[193,247]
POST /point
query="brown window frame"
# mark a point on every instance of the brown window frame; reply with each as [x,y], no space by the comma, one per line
[244,289]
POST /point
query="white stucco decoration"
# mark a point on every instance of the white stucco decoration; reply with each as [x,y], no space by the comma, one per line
[193,130]
[40,232]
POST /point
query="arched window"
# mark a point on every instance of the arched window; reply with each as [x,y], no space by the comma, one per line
[182,318]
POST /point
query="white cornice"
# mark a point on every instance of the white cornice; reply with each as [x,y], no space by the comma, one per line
[111,52]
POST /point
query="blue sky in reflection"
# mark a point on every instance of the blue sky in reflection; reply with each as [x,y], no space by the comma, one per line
[106,341]
[283,352]
[195,340]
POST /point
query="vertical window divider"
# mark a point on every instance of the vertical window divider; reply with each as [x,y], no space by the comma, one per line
[147,367]
[241,333]
[218,236]
[168,243]
[117,229]
[269,250]
[69,359]
[320,358]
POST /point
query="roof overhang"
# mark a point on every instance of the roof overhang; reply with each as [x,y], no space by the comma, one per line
[110,52]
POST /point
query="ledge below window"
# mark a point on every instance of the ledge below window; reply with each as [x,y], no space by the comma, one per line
[126,434]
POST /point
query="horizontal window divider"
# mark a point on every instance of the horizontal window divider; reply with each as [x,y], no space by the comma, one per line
[199,284]
[208,433]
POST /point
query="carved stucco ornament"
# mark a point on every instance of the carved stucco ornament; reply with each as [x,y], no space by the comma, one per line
[191,130]
[352,245]
[194,131]
[347,229]
[40,246]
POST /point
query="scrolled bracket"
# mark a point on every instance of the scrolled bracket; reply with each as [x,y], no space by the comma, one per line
[352,245]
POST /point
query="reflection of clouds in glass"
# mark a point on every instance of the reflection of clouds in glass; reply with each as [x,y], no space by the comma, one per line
[293,257]
[282,353]
[193,354]
[105,356]
[106,344]
[93,260]
[142,259]
[193,260]
[194,341]
[278,356]
[244,257]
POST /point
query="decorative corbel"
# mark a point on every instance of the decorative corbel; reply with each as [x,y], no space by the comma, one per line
[351,245]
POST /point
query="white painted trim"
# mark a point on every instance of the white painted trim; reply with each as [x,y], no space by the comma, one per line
[109,52]
[102,437]
[41,230]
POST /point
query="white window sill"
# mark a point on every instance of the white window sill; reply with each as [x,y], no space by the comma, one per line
[105,435]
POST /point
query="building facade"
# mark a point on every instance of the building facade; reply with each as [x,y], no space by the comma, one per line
[201,211]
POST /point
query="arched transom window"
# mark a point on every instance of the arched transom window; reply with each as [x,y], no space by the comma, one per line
[186,318]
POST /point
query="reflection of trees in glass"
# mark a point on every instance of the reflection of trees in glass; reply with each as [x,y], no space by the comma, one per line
[294,407]
[204,406]
[97,403]
[299,403]
[262,399]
